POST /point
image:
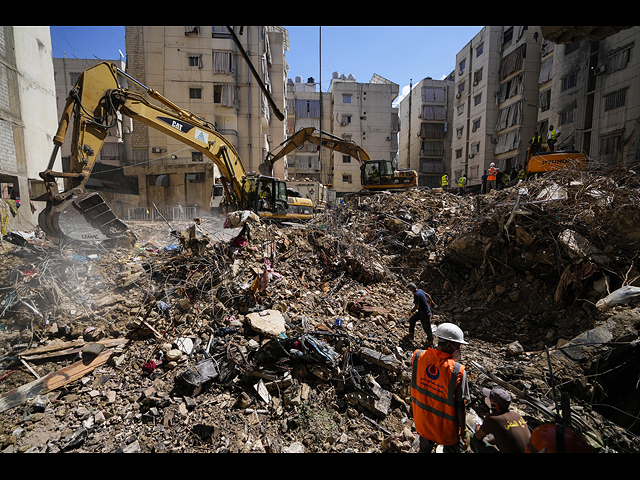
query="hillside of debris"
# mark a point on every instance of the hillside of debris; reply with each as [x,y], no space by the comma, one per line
[262,337]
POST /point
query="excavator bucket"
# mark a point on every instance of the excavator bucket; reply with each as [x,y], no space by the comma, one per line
[85,217]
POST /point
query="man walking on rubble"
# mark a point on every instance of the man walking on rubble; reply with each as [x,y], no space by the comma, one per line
[439,392]
[509,430]
[422,307]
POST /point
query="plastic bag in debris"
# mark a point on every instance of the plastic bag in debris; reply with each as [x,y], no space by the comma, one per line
[239,218]
[622,295]
[304,348]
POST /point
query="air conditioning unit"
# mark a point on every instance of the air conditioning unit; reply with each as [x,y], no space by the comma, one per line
[494,139]
[471,155]
[156,150]
[458,95]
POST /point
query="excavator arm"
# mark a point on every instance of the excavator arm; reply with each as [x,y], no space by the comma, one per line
[321,138]
[95,102]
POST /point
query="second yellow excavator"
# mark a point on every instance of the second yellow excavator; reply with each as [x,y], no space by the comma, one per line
[95,101]
[375,175]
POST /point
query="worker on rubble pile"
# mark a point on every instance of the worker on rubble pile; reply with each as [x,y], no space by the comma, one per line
[462,183]
[439,392]
[422,303]
[483,188]
[491,177]
[503,430]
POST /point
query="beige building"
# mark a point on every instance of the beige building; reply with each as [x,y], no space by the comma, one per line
[200,69]
[425,134]
[28,119]
[304,110]
[495,97]
[364,113]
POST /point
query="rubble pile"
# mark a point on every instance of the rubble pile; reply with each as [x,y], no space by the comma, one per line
[291,338]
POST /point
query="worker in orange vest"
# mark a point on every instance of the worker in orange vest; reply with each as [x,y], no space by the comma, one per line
[439,390]
[491,177]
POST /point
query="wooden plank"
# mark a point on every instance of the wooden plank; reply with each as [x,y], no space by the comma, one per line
[35,354]
[52,381]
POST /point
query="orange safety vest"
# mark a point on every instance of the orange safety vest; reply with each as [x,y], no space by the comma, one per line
[491,174]
[434,380]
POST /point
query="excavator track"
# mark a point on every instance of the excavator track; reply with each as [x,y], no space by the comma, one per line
[84,217]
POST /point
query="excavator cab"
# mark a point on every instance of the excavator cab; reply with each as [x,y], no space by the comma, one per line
[267,196]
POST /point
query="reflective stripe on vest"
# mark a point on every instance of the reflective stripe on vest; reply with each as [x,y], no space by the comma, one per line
[554,134]
[444,180]
[491,174]
[435,414]
[461,181]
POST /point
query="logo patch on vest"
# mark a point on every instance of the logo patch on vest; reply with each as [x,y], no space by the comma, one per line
[433,372]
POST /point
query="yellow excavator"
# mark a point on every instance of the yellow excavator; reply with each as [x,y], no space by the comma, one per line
[95,102]
[543,160]
[375,175]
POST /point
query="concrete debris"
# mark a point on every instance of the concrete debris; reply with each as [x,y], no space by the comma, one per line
[265,337]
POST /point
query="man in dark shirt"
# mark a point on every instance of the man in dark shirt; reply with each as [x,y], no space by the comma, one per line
[421,302]
[510,432]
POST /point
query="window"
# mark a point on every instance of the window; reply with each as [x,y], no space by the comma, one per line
[346,120]
[158,180]
[545,100]
[461,88]
[346,159]
[571,48]
[569,81]
[197,157]
[477,99]
[195,93]
[618,58]
[461,109]
[475,148]
[615,100]
[346,98]
[479,49]
[459,153]
[567,117]
[462,65]
[476,125]
[195,61]
[507,36]
[346,178]
[477,76]
[195,177]
[459,132]
[432,94]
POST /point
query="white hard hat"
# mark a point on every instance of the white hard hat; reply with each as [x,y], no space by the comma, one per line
[492,164]
[451,333]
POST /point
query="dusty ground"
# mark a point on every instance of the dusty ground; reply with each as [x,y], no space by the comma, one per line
[516,290]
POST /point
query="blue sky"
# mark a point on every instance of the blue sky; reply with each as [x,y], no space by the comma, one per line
[397,53]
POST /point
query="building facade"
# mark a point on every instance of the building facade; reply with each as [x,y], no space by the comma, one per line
[201,69]
[425,136]
[307,107]
[28,119]
[496,94]
[363,113]
[590,92]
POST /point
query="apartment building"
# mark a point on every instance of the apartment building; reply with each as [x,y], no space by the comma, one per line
[496,95]
[425,134]
[200,68]
[363,113]
[28,120]
[589,92]
[304,109]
